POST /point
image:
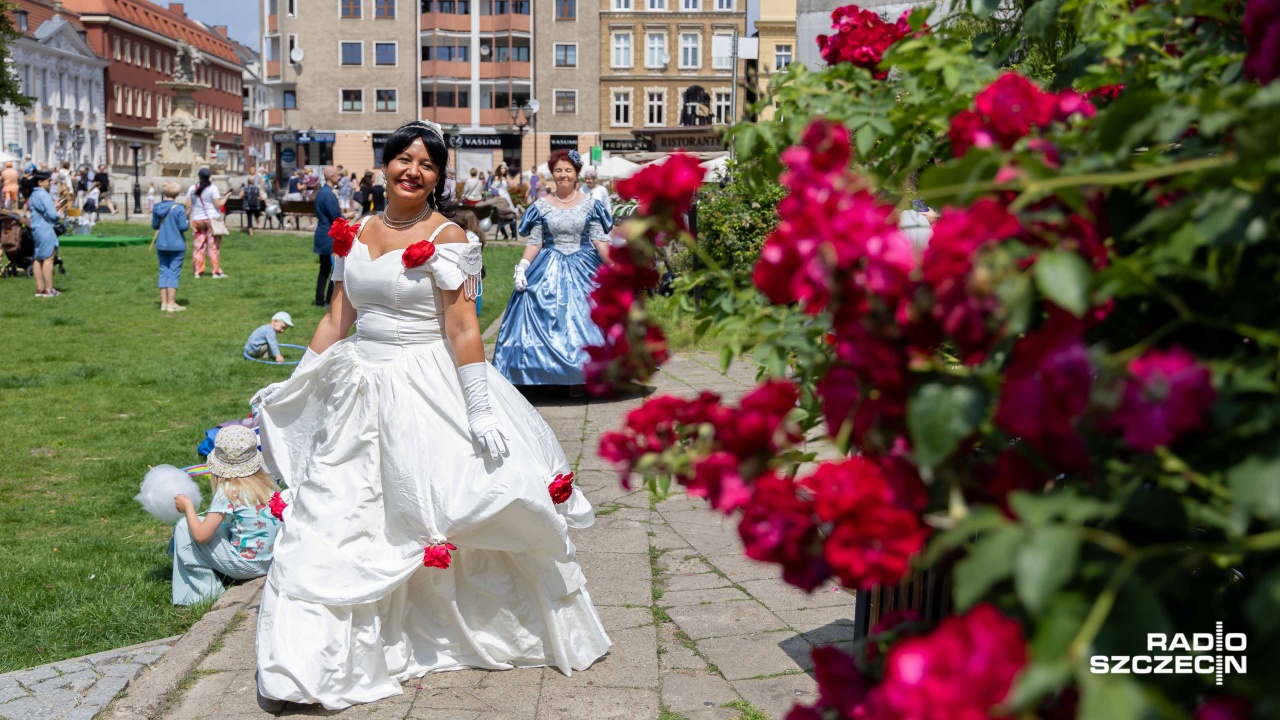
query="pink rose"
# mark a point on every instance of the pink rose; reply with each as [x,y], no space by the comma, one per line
[1262,32]
[1167,395]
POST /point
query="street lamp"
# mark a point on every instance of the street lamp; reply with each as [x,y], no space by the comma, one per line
[78,142]
[137,185]
[529,109]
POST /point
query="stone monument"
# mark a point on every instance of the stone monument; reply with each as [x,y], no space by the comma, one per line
[184,139]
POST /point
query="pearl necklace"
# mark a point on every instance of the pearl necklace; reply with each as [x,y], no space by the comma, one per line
[402,224]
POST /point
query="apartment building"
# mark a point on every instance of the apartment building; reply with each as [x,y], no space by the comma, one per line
[567,76]
[139,39]
[776,30]
[256,102]
[662,87]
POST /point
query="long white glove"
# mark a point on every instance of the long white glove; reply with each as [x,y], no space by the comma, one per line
[480,418]
[263,396]
[521,283]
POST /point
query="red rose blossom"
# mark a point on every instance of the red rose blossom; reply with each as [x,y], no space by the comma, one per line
[960,671]
[777,526]
[1012,108]
[841,687]
[344,236]
[716,478]
[437,555]
[561,488]
[1167,395]
[665,188]
[1262,31]
[418,253]
[1225,707]
[861,38]
[1048,382]
[277,506]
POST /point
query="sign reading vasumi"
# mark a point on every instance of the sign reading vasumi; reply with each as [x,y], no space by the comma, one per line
[564,142]
[484,142]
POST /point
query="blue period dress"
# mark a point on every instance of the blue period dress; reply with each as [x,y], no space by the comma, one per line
[547,327]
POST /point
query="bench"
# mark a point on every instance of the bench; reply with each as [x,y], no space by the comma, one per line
[296,208]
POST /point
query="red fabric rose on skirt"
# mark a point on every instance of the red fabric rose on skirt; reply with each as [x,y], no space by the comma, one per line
[418,253]
[437,555]
[344,236]
[277,505]
[561,488]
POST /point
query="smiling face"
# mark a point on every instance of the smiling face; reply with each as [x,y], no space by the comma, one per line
[565,175]
[411,175]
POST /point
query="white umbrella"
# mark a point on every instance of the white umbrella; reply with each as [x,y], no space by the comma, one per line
[716,168]
[615,167]
[7,157]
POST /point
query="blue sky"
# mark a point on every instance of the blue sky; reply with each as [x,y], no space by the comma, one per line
[240,16]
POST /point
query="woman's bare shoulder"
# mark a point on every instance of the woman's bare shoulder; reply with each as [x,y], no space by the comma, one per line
[450,232]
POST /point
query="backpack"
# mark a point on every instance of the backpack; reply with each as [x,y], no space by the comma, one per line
[252,201]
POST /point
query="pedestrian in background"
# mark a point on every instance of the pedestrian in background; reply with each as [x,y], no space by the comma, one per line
[169,219]
[43,214]
[11,178]
[327,210]
[251,199]
[203,200]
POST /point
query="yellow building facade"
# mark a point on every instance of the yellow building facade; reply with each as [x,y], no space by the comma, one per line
[776,30]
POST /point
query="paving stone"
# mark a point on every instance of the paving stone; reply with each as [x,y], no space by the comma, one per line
[616,578]
[77,681]
[625,537]
[776,696]
[675,562]
[664,538]
[750,656]
[779,596]
[436,714]
[697,517]
[693,581]
[10,692]
[632,662]
[106,690]
[518,678]
[713,543]
[674,653]
[72,666]
[712,596]
[724,619]
[35,675]
[237,651]
[740,568]
[686,691]
[50,705]
[599,704]
[126,670]
[619,618]
[466,678]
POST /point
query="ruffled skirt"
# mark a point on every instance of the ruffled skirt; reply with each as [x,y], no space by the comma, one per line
[373,442]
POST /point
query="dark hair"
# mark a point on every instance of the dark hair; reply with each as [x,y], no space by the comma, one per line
[204,181]
[433,141]
[560,156]
[367,180]
[467,220]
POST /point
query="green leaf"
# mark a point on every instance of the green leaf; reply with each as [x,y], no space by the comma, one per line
[985,8]
[1112,697]
[865,140]
[1038,509]
[1038,680]
[990,562]
[980,518]
[1040,18]
[1063,277]
[940,416]
[1263,605]
[1045,564]
[1256,486]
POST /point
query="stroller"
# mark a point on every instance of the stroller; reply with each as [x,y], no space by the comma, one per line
[19,247]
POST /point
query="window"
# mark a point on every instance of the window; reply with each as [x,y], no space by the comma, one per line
[691,5]
[352,53]
[519,53]
[724,5]
[622,50]
[119,104]
[725,62]
[26,80]
[690,50]
[566,56]
[656,54]
[566,9]
[115,47]
[293,43]
[655,107]
[352,101]
[128,101]
[384,53]
[349,8]
[384,101]
[622,108]
[290,100]
[566,102]
[128,52]
[21,15]
[621,4]
[292,8]
[448,49]
[781,57]
[659,5]
[446,98]
[384,9]
[146,58]
[722,107]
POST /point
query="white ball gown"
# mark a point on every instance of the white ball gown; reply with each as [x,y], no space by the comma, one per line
[373,441]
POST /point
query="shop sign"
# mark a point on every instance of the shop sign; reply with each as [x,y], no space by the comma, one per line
[564,142]
[484,142]
[691,141]
[624,145]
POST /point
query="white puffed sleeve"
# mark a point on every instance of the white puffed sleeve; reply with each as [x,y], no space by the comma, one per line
[339,267]
[457,265]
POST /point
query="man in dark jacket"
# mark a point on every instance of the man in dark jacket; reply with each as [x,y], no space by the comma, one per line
[327,211]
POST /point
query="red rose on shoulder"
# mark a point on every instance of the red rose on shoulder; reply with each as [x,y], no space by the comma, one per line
[437,555]
[344,236]
[277,505]
[418,253]
[561,488]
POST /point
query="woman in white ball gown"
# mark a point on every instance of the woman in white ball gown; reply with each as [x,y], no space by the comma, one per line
[421,533]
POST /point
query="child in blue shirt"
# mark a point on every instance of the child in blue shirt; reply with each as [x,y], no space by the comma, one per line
[237,537]
[262,343]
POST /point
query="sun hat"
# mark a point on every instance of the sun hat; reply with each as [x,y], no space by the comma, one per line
[235,453]
[283,317]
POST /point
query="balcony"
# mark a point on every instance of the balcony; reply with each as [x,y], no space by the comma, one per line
[273,69]
[273,23]
[446,21]
[495,116]
[504,70]
[275,117]
[448,115]
[505,22]
[445,69]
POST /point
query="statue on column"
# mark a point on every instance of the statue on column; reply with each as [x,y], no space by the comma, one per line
[184,63]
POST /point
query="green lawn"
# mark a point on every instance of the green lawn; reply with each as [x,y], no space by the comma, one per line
[97,385]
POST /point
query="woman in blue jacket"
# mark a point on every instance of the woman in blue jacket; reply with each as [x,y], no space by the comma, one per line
[43,214]
[170,219]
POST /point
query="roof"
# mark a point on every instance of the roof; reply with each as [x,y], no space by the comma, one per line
[39,12]
[159,20]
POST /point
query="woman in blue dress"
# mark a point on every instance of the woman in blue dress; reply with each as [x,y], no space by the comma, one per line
[43,215]
[548,323]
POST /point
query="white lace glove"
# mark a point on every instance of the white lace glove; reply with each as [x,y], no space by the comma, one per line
[480,418]
[521,283]
[263,396]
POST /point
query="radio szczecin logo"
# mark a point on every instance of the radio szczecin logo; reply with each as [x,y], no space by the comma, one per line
[1217,654]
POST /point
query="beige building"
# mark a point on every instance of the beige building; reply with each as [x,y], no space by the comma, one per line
[566,76]
[776,29]
[658,70]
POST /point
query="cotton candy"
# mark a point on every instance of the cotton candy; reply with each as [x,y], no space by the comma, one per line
[160,485]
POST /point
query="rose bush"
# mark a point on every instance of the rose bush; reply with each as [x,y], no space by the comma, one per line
[1070,399]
